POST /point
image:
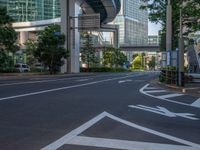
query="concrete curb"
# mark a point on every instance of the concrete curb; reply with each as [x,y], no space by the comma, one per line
[194,91]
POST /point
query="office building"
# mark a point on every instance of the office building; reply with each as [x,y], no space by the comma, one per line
[32,10]
[133,23]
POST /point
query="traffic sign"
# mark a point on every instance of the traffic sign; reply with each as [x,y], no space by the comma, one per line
[89,22]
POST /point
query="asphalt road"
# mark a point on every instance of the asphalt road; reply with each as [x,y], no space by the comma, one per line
[98,112]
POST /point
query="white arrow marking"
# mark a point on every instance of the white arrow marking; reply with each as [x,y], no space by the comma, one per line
[163,111]
[123,81]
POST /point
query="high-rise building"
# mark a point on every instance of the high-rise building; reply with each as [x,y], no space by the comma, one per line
[32,10]
[3,3]
[133,23]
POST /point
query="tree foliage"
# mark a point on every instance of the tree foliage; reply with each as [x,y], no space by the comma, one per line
[152,62]
[50,48]
[137,63]
[8,37]
[113,57]
[157,14]
[31,47]
[88,53]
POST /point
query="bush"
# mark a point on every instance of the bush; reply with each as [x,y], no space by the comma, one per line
[38,70]
[103,69]
[9,70]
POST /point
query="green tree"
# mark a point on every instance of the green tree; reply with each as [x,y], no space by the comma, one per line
[50,48]
[137,63]
[157,14]
[8,36]
[113,57]
[31,47]
[152,63]
[88,51]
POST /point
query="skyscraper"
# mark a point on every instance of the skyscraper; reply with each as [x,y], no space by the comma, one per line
[32,10]
[133,23]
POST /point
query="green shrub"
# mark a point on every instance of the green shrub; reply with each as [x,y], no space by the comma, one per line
[33,69]
[103,69]
[9,70]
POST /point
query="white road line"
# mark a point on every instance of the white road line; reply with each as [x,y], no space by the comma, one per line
[170,95]
[33,82]
[60,142]
[74,133]
[168,100]
[81,80]
[156,91]
[196,103]
[63,88]
[123,81]
[124,144]
[151,88]
[166,136]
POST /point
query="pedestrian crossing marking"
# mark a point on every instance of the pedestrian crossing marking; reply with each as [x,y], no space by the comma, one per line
[170,95]
[156,91]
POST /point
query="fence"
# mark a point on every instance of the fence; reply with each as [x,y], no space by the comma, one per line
[168,76]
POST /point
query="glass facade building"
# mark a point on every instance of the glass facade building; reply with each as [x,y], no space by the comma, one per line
[32,10]
[133,23]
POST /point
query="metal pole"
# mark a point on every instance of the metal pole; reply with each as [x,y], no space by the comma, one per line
[181,53]
[68,37]
[169,29]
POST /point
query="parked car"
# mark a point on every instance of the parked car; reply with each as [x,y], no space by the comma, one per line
[22,67]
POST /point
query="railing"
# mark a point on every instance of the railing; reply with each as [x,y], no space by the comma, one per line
[168,76]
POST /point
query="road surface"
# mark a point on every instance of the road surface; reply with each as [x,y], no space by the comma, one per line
[99,112]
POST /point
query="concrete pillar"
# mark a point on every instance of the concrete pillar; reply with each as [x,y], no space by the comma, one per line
[23,38]
[69,8]
[169,29]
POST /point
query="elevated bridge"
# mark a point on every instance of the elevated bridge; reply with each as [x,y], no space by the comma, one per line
[149,48]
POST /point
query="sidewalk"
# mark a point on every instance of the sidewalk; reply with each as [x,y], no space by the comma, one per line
[13,76]
[190,88]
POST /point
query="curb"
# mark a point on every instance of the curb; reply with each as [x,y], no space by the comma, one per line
[194,91]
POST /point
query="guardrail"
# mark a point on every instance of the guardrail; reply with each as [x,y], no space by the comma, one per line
[168,76]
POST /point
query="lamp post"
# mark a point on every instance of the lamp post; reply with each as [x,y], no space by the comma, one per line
[181,53]
[169,30]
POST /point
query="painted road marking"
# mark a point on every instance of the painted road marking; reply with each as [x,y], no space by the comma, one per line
[151,88]
[196,103]
[123,144]
[156,91]
[142,90]
[163,111]
[72,137]
[81,80]
[170,96]
[64,88]
[123,81]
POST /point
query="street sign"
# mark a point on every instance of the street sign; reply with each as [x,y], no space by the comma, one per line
[89,22]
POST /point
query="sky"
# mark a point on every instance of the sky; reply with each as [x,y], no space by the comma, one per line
[153,28]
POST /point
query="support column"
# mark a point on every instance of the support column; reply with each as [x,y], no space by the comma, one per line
[23,38]
[68,9]
[169,30]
